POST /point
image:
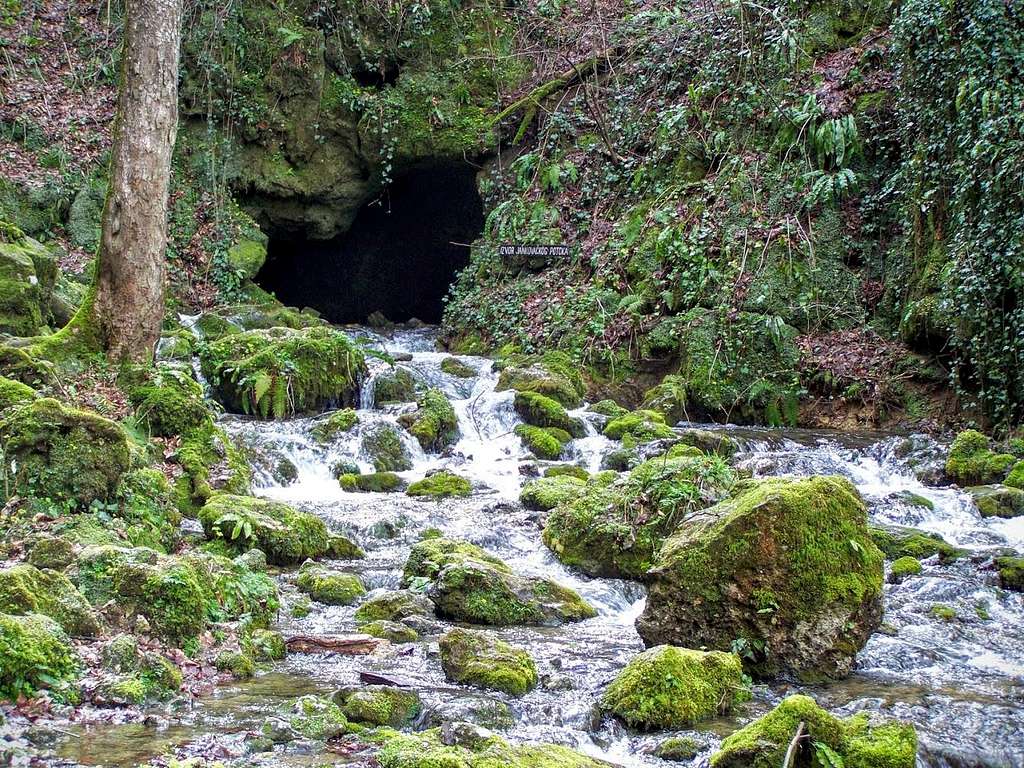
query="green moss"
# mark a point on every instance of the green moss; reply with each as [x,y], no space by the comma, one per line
[383,446]
[63,454]
[468,584]
[567,470]
[476,658]
[47,551]
[553,374]
[15,393]
[455,367]
[971,462]
[542,411]
[943,612]
[148,510]
[167,400]
[998,500]
[24,292]
[441,485]
[903,568]
[896,542]
[397,386]
[638,427]
[425,750]
[37,654]
[338,423]
[343,548]
[265,645]
[391,631]
[608,408]
[916,500]
[678,748]
[667,687]
[393,607]
[542,442]
[238,663]
[327,586]
[1011,573]
[617,528]
[858,743]
[379,705]
[375,482]
[782,559]
[1016,477]
[211,463]
[546,493]
[668,398]
[318,718]
[246,257]
[434,423]
[286,535]
[278,372]
[26,589]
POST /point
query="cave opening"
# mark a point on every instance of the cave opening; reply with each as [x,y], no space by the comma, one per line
[399,257]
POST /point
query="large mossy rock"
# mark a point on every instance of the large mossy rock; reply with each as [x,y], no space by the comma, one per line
[857,741]
[286,535]
[615,527]
[897,541]
[168,400]
[429,749]
[382,445]
[395,386]
[552,374]
[670,688]
[787,569]
[27,589]
[434,423]
[638,427]
[543,411]
[395,606]
[380,705]
[467,584]
[998,500]
[441,485]
[36,654]
[476,658]
[278,372]
[546,493]
[27,274]
[63,454]
[329,586]
[972,462]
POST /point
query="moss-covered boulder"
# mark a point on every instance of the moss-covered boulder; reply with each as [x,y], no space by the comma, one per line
[477,658]
[567,470]
[316,717]
[670,688]
[543,442]
[15,393]
[374,482]
[1011,573]
[467,584]
[394,386]
[46,551]
[455,367]
[329,586]
[668,398]
[36,654]
[427,750]
[278,372]
[678,749]
[615,528]
[998,500]
[542,411]
[392,631]
[63,454]
[380,705]
[434,423]
[441,485]
[1016,477]
[856,741]
[546,493]
[382,446]
[394,606]
[246,257]
[897,541]
[286,535]
[167,399]
[638,427]
[786,568]
[26,589]
[903,568]
[972,462]
[137,676]
[336,424]
[552,374]
[211,463]
[27,274]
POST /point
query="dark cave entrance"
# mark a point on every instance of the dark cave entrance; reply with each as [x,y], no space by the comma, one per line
[399,257]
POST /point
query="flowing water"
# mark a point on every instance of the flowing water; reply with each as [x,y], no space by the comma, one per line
[961,682]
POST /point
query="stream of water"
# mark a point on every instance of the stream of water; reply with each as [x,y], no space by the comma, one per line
[961,682]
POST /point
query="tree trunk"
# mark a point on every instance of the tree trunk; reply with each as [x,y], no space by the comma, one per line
[128,308]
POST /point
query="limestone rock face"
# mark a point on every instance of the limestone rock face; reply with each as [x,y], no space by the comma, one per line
[785,572]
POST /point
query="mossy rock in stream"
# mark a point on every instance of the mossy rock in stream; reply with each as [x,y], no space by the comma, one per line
[328,586]
[476,658]
[543,442]
[375,482]
[668,688]
[167,399]
[567,470]
[62,453]
[286,535]
[467,584]
[542,411]
[26,589]
[277,372]
[392,631]
[455,367]
[335,425]
[546,493]
[212,463]
[317,717]
[428,749]
[441,485]
[552,374]
[614,526]
[972,462]
[37,654]
[1011,573]
[903,568]
[787,567]
[434,423]
[638,427]
[395,386]
[858,741]
[238,663]
[395,606]
[998,500]
[898,541]
[382,445]
[379,705]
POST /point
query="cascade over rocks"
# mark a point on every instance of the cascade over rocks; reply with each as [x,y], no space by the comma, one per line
[787,568]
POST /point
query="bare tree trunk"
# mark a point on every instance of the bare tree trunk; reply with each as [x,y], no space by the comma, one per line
[129,300]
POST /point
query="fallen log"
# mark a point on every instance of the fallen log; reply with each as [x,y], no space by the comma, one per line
[347,645]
